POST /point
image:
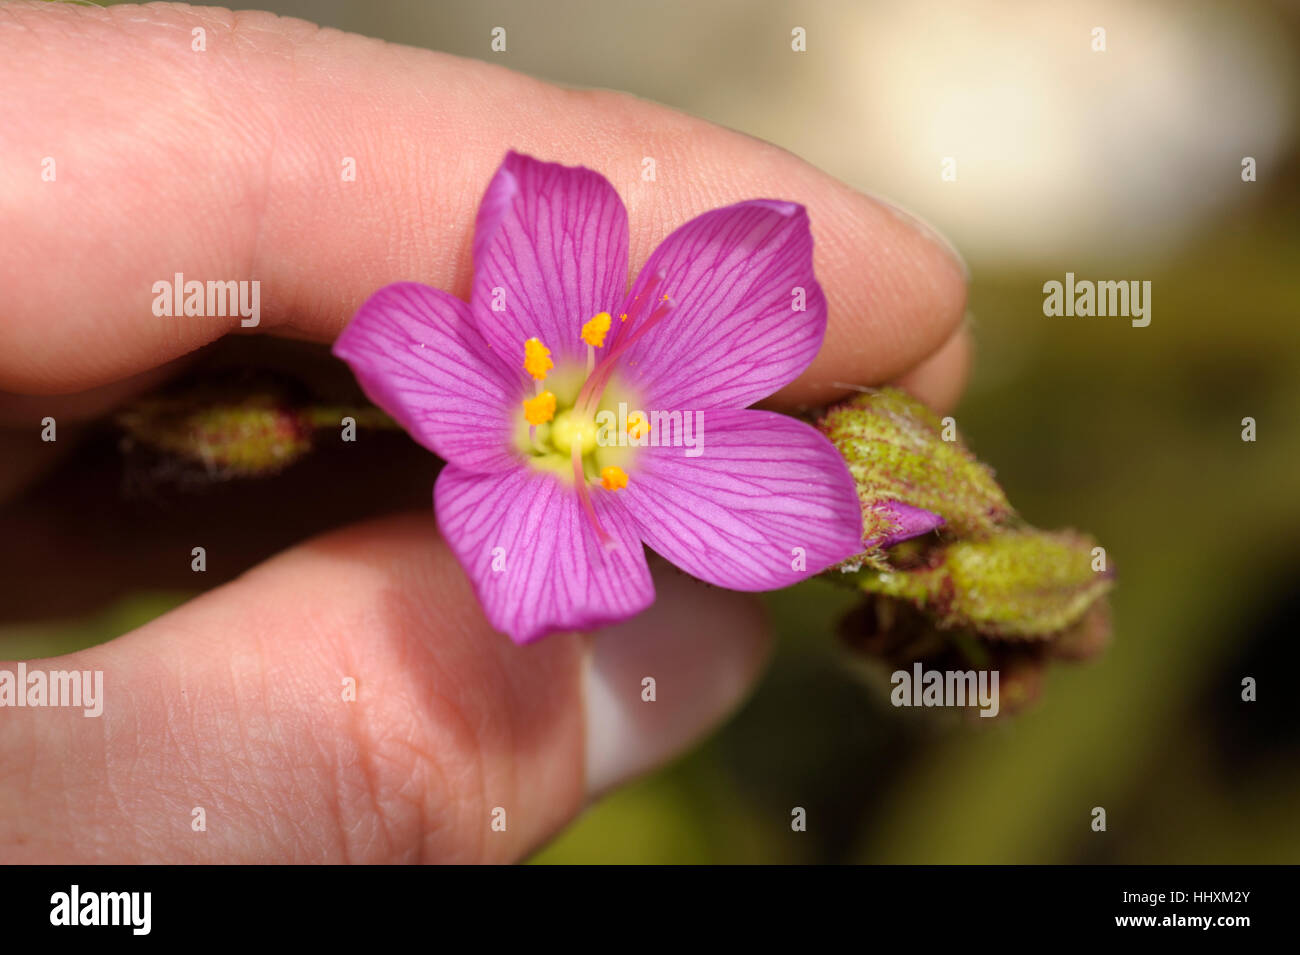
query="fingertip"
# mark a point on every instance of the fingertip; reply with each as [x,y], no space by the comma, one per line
[940,379]
[655,684]
[896,292]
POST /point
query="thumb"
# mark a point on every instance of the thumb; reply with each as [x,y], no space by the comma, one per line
[703,650]
[452,745]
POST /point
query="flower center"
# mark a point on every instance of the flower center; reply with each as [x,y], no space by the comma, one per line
[552,433]
[557,428]
[570,428]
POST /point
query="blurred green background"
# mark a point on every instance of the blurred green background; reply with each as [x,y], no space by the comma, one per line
[1117,165]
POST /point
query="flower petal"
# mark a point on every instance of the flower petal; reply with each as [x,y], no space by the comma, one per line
[550,252]
[903,522]
[767,503]
[736,333]
[533,557]
[417,355]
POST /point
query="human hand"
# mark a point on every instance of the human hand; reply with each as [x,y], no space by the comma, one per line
[225,163]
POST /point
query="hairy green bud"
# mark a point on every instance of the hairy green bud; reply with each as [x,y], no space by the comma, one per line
[901,452]
[1016,583]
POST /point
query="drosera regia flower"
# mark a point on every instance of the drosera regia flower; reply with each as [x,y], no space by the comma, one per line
[548,511]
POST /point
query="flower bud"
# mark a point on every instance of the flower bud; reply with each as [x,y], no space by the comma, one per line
[1016,583]
[244,437]
[910,480]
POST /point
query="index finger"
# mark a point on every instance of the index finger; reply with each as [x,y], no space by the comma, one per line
[131,157]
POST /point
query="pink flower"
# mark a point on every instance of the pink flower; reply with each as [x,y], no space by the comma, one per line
[546,395]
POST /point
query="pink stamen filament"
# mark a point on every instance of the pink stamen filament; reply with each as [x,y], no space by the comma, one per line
[631,311]
[580,479]
[598,375]
[595,384]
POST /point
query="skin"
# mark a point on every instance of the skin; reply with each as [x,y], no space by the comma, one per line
[226,163]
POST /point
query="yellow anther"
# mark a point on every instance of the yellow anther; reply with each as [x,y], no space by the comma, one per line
[637,424]
[594,332]
[623,317]
[537,359]
[612,478]
[541,409]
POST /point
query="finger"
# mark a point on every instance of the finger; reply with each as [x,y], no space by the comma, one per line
[25,411]
[227,164]
[939,379]
[654,681]
[234,704]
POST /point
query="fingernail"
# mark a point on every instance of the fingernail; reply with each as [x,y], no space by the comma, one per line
[659,682]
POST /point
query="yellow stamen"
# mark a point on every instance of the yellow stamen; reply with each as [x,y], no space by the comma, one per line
[612,478]
[637,424]
[537,359]
[541,409]
[594,332]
